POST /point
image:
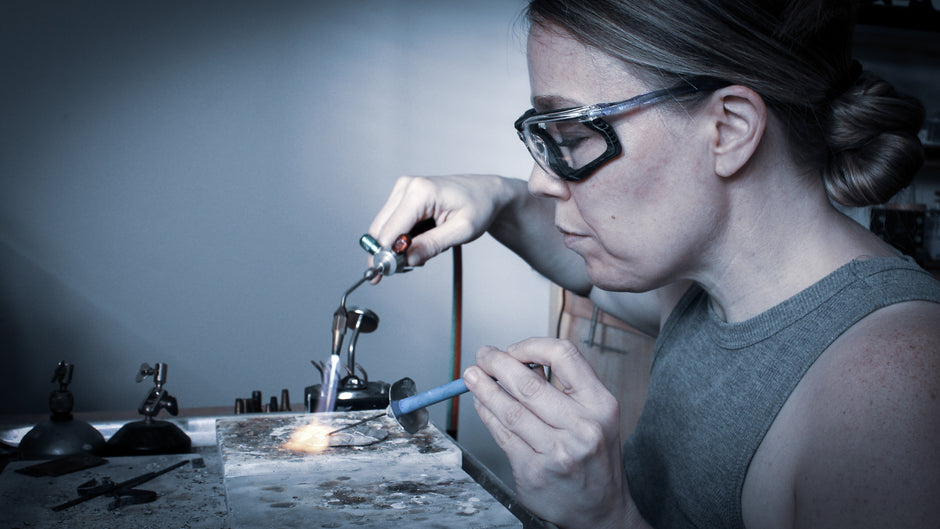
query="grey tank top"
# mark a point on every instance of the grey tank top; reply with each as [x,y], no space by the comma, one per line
[715,388]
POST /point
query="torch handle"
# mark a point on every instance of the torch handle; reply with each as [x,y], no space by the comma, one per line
[426,398]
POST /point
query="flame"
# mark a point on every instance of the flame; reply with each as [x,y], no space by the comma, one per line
[312,438]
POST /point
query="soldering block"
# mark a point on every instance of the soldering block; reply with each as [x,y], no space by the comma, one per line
[377,499]
[413,481]
[255,445]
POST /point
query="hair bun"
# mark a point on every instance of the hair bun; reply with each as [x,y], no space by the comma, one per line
[872,139]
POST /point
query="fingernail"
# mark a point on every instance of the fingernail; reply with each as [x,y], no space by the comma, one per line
[470,376]
[485,350]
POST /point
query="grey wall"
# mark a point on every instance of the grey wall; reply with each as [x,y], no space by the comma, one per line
[186,182]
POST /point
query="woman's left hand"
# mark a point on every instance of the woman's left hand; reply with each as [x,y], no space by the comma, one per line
[563,442]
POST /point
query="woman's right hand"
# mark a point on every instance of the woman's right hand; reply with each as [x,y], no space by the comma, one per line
[462,206]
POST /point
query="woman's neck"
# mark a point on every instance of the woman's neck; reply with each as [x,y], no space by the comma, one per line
[779,240]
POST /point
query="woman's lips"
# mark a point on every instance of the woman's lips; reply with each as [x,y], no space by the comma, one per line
[570,237]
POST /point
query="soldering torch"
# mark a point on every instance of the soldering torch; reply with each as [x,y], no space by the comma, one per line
[386,262]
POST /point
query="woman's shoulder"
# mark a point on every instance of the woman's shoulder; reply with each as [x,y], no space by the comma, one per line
[871,417]
[893,354]
[903,337]
[882,376]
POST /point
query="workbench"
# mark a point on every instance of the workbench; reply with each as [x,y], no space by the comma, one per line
[239,475]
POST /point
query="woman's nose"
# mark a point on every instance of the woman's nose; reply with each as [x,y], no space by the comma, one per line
[544,185]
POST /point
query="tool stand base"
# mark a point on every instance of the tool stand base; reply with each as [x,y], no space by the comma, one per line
[149,438]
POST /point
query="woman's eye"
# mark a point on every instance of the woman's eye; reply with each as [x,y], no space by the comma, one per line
[571,142]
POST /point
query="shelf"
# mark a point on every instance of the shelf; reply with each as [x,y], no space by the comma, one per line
[916,15]
[932,155]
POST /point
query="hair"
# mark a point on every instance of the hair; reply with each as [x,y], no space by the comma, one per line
[846,123]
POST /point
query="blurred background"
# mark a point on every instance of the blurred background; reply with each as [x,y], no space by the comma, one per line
[186,182]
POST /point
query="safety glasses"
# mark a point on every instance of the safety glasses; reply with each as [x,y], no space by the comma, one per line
[572,143]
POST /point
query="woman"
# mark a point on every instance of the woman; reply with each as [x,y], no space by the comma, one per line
[796,373]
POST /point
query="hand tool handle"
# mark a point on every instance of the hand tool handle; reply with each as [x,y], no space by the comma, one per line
[385,261]
[400,246]
[392,260]
[402,243]
[426,398]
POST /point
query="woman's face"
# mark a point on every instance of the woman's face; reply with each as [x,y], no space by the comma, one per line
[643,219]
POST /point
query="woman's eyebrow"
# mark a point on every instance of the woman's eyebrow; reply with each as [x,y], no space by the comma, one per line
[544,103]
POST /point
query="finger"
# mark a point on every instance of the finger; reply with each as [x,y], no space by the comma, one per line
[413,199]
[417,202]
[421,199]
[388,209]
[392,204]
[510,443]
[570,370]
[511,414]
[531,389]
[437,240]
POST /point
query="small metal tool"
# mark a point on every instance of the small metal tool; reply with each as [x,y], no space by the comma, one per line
[124,492]
[158,398]
[409,408]
[386,261]
[357,423]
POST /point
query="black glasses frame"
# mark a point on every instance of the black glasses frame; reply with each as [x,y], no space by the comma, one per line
[590,115]
[555,157]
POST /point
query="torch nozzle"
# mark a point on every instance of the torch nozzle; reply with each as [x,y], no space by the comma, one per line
[339,329]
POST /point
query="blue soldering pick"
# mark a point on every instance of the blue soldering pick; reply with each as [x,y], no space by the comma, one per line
[408,407]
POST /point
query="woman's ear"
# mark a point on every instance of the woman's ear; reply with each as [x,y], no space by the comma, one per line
[739,116]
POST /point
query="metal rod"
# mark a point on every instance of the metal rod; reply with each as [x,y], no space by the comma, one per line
[368,275]
[348,426]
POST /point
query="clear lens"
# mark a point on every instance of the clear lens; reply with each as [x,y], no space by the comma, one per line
[572,143]
[563,147]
